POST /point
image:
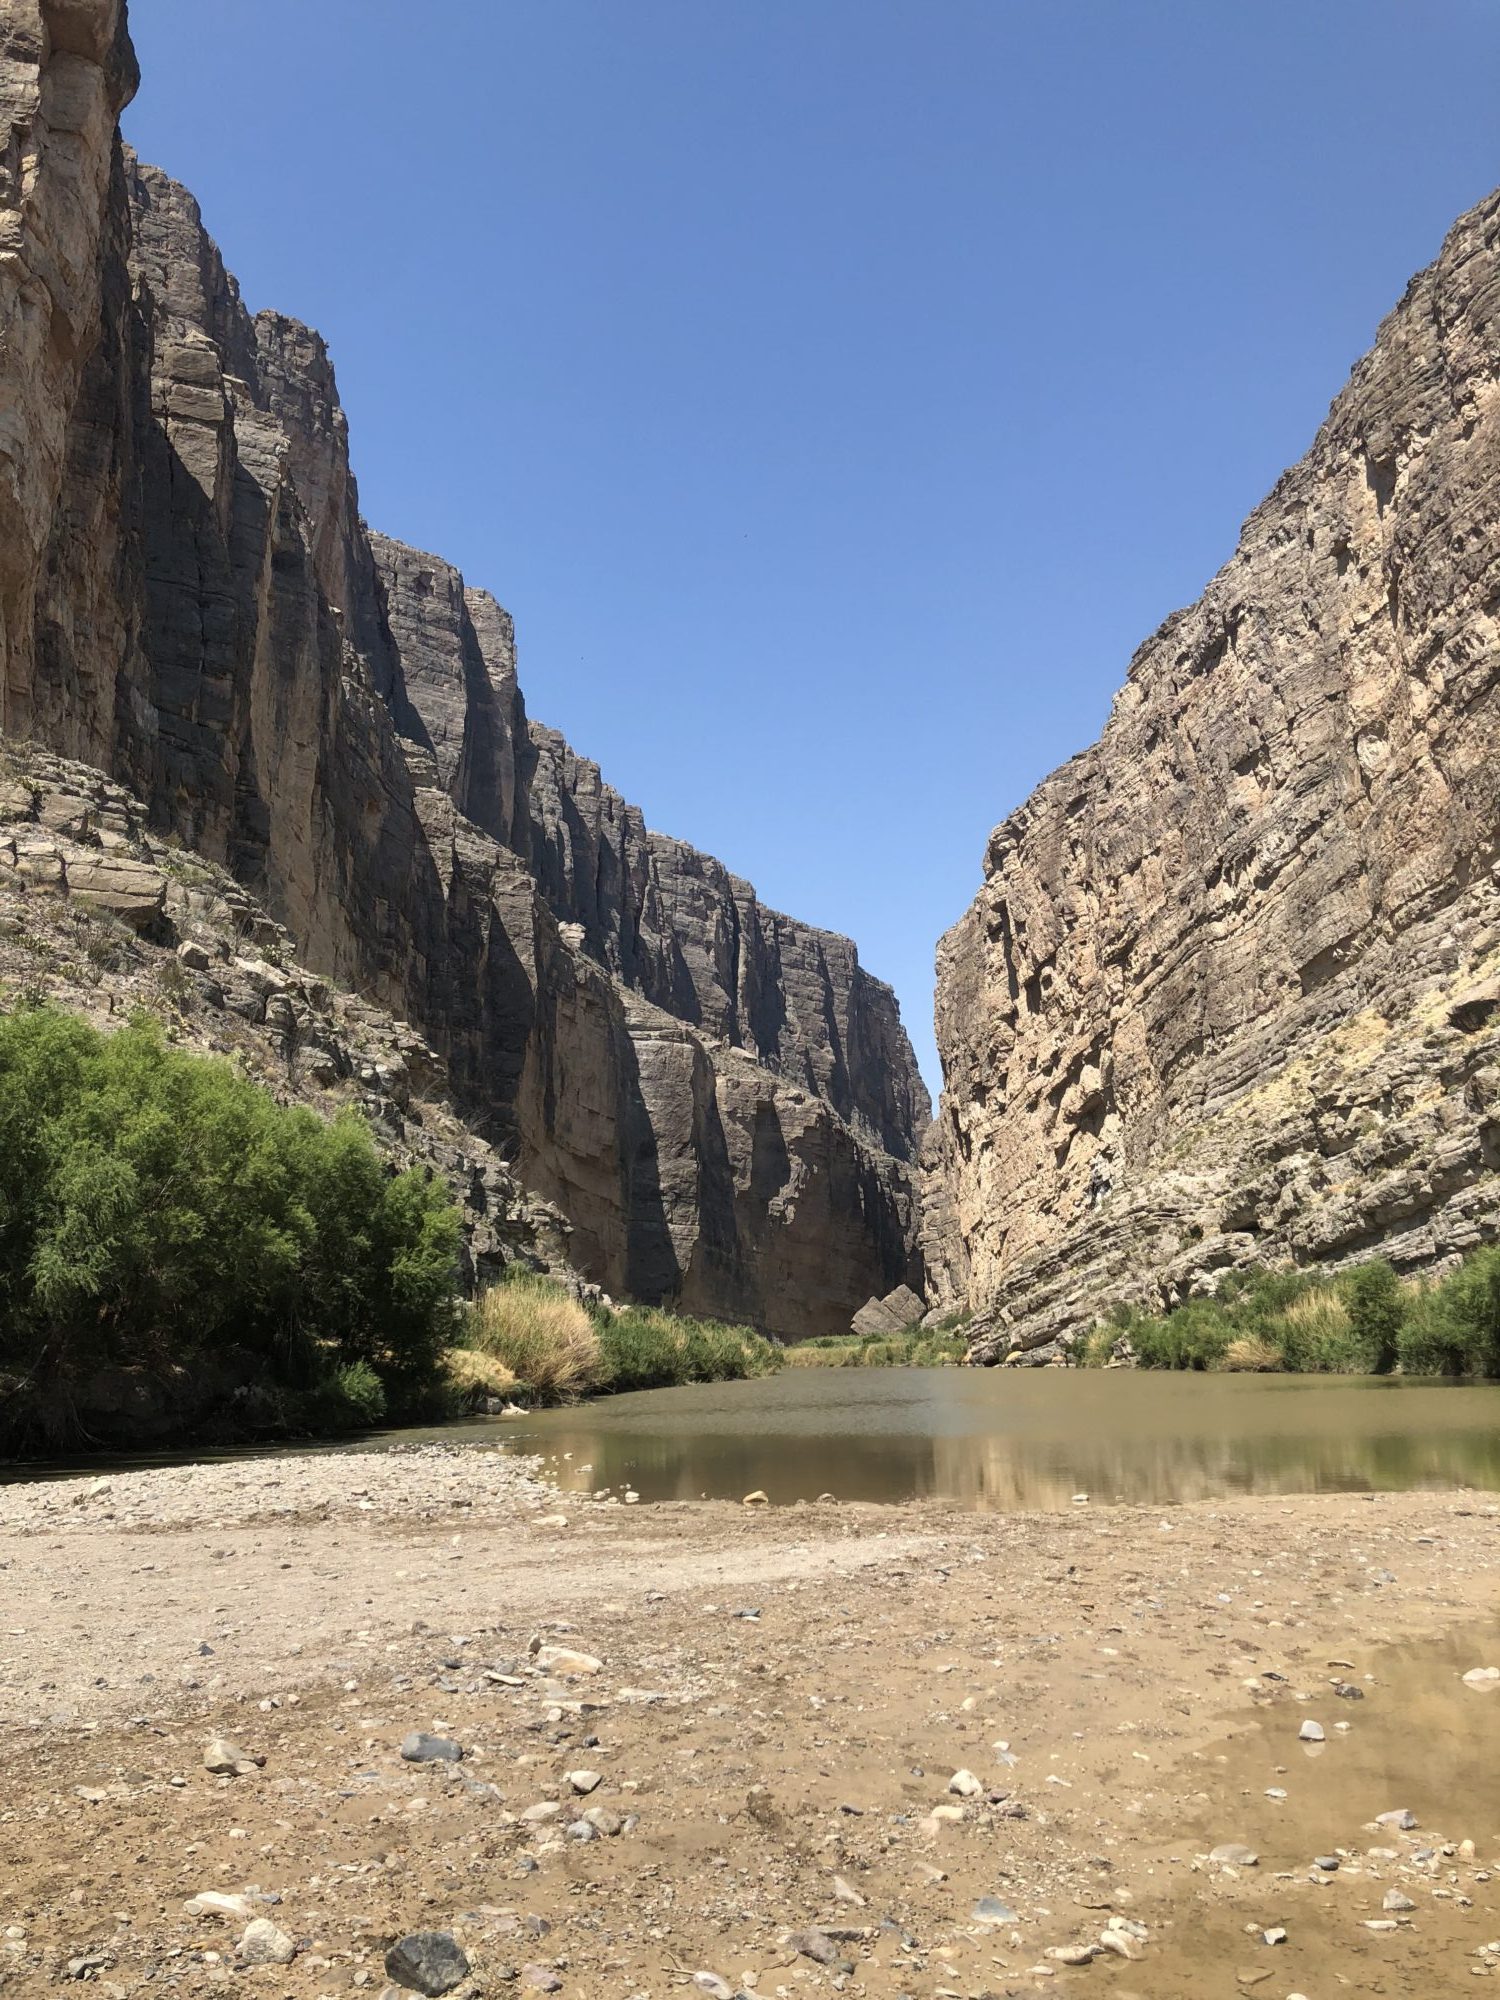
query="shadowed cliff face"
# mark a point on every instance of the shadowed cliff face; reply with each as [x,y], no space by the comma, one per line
[720,1098]
[1228,992]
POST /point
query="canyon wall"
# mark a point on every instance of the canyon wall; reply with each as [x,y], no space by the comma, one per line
[1230,992]
[719,1098]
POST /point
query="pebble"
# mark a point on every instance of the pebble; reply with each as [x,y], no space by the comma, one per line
[1482,1676]
[1327,1862]
[990,1910]
[264,1944]
[541,1978]
[1402,1818]
[419,1748]
[1234,1854]
[584,1782]
[1118,1943]
[1395,1900]
[1310,1732]
[816,1945]
[756,1499]
[715,1987]
[966,1785]
[226,1759]
[210,1903]
[563,1660]
[430,1962]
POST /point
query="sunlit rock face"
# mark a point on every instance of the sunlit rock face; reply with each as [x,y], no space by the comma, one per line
[1229,991]
[720,1098]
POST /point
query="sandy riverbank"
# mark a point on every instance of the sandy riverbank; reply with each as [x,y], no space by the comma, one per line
[1147,1671]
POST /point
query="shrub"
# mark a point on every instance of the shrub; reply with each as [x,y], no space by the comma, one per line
[1196,1336]
[1377,1305]
[539,1331]
[644,1348]
[158,1210]
[1453,1326]
[1316,1336]
[936,1347]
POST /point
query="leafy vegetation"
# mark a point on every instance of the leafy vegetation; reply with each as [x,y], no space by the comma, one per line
[178,1247]
[1365,1321]
[552,1348]
[937,1347]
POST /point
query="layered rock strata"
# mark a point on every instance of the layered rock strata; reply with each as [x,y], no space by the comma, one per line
[1229,992]
[720,1099]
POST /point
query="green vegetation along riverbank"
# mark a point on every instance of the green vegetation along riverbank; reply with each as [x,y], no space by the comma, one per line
[179,1253]
[1364,1321]
[183,1259]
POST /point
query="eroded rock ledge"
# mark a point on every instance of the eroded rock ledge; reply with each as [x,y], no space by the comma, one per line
[1229,993]
[720,1098]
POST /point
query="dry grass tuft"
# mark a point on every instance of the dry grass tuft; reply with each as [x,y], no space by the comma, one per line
[475,1375]
[539,1332]
[1252,1354]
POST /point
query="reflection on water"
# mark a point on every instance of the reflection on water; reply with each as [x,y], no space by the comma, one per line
[1005,1440]
[988,1439]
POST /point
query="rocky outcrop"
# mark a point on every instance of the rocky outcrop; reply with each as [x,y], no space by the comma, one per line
[100,915]
[1228,994]
[720,1099]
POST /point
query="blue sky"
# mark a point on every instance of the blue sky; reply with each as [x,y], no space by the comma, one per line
[836,391]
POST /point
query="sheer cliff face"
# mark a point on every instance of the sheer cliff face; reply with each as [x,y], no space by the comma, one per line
[720,1098]
[1226,992]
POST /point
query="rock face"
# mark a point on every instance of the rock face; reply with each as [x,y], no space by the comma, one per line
[1231,990]
[721,1100]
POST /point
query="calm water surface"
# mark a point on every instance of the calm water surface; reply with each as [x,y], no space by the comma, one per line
[1008,1439]
[984,1438]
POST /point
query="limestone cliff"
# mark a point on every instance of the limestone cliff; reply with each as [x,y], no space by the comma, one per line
[721,1100]
[1231,989]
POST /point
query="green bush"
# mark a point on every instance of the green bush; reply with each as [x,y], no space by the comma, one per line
[941,1346]
[1453,1327]
[643,1348]
[1377,1304]
[1366,1321]
[158,1210]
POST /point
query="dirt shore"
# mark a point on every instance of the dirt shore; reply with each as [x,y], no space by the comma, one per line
[782,1700]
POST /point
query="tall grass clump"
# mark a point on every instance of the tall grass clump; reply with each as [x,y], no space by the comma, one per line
[177,1248]
[534,1328]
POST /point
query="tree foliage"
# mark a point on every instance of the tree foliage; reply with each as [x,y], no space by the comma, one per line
[159,1208]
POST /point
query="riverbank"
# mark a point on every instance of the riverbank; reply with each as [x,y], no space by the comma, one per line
[782,1700]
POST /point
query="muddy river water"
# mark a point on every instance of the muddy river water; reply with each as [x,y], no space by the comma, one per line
[1008,1439]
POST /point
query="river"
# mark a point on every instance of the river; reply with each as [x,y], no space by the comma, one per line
[1003,1439]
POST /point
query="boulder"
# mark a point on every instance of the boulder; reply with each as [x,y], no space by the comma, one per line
[878,1319]
[133,891]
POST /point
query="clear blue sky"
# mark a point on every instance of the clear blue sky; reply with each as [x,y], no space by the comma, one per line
[836,391]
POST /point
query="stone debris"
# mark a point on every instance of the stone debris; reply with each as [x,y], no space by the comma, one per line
[225,1758]
[262,1943]
[418,1747]
[429,1962]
